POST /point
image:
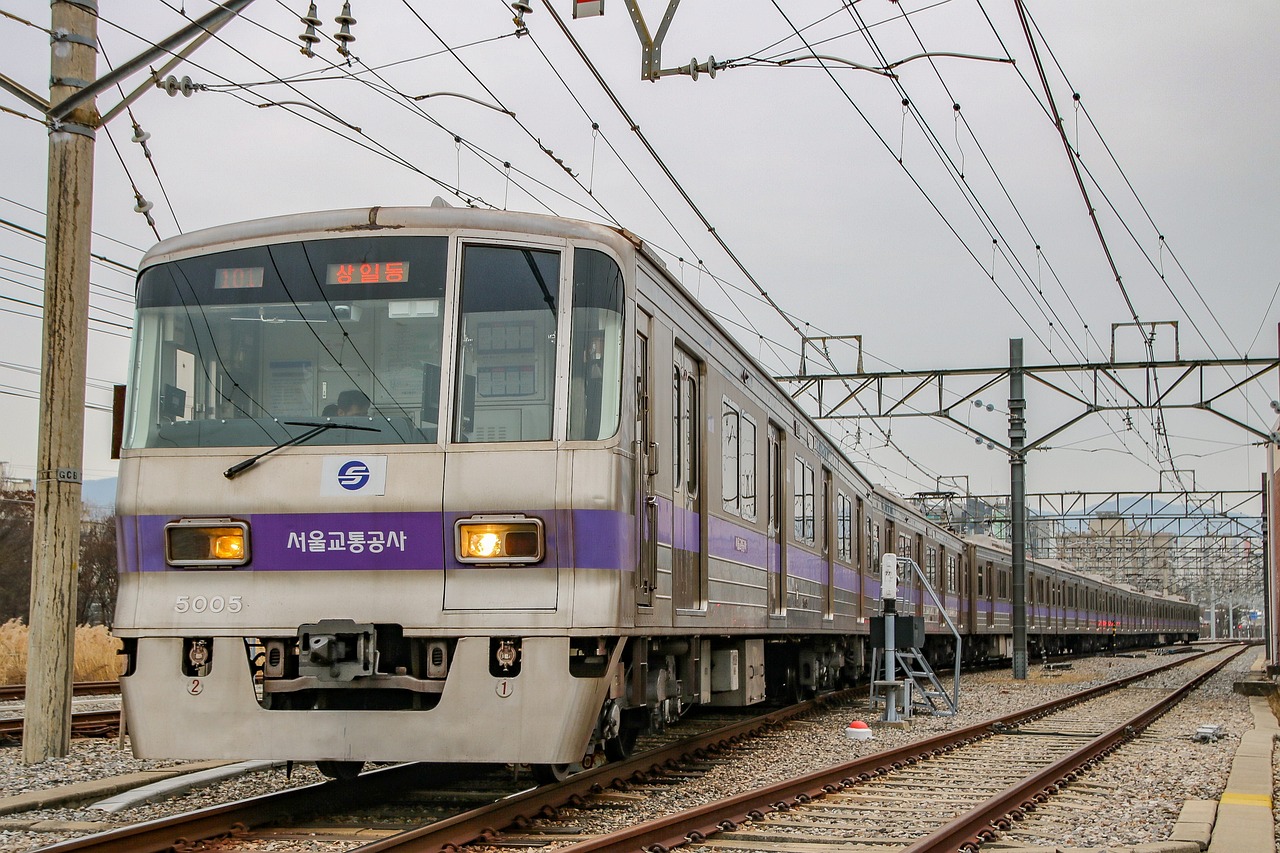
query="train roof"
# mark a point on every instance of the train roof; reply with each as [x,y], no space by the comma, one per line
[372,220]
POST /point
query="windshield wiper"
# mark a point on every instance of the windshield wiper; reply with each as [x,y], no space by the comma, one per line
[315,430]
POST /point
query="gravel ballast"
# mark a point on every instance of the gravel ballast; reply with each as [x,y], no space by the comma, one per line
[1149,785]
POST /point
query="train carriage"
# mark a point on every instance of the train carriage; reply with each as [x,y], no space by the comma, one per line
[460,485]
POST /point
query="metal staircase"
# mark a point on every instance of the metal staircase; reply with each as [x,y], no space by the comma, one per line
[925,691]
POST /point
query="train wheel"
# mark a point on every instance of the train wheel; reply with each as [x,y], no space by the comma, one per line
[546,774]
[343,771]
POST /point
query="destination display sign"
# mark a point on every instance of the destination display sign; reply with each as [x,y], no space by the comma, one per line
[378,272]
[236,278]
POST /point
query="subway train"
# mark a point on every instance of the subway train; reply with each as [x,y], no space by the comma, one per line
[462,485]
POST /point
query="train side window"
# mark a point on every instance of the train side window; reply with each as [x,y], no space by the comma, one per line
[844,527]
[804,502]
[685,423]
[729,483]
[810,506]
[595,368]
[747,466]
[871,535]
[677,438]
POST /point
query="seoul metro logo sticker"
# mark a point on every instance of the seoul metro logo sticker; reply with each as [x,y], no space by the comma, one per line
[354,475]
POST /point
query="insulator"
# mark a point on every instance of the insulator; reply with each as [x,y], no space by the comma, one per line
[143,206]
[309,38]
[139,135]
[343,36]
[521,8]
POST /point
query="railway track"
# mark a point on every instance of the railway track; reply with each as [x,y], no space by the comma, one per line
[99,723]
[442,797]
[83,724]
[953,792]
[449,790]
[17,692]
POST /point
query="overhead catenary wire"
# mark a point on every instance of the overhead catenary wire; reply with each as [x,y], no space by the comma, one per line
[37,235]
[1163,243]
[372,144]
[721,282]
[1093,216]
[365,140]
[661,209]
[968,189]
[680,188]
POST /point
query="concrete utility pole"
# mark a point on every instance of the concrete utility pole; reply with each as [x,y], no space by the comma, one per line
[73,120]
[55,552]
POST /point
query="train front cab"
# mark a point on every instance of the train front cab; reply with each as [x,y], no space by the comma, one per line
[303,650]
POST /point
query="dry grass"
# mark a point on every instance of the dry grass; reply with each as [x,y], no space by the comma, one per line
[96,658]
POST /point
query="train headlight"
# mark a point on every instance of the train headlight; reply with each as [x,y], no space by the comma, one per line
[206,542]
[487,544]
[499,539]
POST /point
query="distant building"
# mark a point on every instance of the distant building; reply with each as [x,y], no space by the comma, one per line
[9,483]
[1112,547]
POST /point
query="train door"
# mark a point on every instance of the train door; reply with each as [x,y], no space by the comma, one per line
[688,579]
[986,591]
[859,555]
[828,594]
[924,605]
[776,564]
[646,470]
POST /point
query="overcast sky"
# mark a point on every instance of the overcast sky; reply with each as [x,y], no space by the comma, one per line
[795,166]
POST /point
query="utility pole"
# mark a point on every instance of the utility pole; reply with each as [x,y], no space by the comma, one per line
[73,120]
[1018,506]
[55,551]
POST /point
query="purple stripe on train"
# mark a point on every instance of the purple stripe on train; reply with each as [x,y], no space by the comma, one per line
[730,541]
[383,541]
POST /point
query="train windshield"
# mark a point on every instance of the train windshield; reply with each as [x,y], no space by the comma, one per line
[247,347]
[231,347]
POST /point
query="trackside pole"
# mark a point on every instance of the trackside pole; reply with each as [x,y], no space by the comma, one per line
[1018,506]
[55,551]
[894,690]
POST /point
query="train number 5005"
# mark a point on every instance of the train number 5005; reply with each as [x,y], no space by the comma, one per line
[205,604]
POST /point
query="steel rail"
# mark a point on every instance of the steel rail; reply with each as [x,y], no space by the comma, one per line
[971,830]
[182,831]
[698,823]
[484,823]
[239,818]
[13,692]
[83,723]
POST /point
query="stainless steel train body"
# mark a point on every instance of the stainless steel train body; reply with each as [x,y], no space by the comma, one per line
[515,496]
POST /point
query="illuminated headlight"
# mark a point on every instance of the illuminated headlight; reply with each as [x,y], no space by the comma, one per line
[499,539]
[206,542]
